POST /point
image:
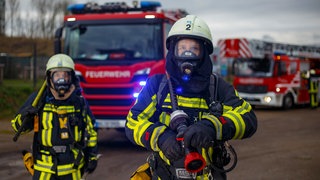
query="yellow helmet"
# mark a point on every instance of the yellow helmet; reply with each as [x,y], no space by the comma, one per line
[60,61]
[312,71]
[193,27]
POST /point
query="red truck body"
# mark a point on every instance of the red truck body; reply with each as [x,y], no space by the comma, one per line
[270,74]
[115,48]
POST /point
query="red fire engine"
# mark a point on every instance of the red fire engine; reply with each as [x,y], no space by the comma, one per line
[115,48]
[270,74]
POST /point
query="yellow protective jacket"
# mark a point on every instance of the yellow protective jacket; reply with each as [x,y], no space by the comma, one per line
[65,138]
[149,119]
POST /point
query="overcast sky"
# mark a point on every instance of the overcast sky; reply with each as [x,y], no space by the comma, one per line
[286,21]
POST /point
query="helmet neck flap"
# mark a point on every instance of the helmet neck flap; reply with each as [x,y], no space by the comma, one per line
[193,83]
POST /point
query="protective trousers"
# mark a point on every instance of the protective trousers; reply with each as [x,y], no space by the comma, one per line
[40,175]
[313,91]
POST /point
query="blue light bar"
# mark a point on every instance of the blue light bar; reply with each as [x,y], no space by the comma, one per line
[112,7]
[76,7]
[135,95]
[150,4]
[142,83]
[279,52]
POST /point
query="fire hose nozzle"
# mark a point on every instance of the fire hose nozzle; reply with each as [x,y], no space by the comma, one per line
[194,162]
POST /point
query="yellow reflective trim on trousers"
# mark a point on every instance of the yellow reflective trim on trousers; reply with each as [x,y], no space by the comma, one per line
[154,137]
[45,176]
[217,124]
[61,169]
[238,122]
[43,166]
[91,143]
[76,174]
[46,132]
[67,169]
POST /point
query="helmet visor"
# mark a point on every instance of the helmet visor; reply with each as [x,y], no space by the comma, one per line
[188,48]
[59,75]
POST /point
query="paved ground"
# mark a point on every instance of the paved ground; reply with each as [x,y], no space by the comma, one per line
[286,146]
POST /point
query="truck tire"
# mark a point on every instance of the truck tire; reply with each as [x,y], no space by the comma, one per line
[287,102]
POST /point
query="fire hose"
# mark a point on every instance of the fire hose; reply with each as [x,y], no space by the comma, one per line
[194,162]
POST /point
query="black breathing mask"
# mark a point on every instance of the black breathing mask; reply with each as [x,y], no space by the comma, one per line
[61,83]
[188,56]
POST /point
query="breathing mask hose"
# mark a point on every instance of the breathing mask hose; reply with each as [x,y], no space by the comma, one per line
[194,162]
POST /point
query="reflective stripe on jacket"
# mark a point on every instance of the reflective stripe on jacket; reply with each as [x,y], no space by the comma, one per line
[61,136]
[147,121]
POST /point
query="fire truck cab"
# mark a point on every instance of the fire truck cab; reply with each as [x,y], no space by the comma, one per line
[115,47]
[271,74]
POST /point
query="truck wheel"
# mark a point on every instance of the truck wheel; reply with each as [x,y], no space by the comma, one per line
[287,102]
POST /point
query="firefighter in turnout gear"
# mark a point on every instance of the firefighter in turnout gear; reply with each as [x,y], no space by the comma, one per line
[190,113]
[313,88]
[65,141]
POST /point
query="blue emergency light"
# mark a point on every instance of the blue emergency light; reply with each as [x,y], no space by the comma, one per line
[112,7]
[76,7]
[149,4]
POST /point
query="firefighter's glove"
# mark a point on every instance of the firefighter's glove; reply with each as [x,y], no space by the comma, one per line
[28,113]
[200,135]
[170,147]
[92,165]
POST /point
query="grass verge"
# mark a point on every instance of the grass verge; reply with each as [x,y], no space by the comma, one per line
[13,93]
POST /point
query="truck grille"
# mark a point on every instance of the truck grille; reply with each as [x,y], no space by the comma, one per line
[116,96]
[111,102]
[110,91]
[252,89]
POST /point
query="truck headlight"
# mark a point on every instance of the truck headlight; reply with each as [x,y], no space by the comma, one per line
[267,99]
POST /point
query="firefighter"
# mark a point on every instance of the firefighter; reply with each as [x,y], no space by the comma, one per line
[192,98]
[65,141]
[313,89]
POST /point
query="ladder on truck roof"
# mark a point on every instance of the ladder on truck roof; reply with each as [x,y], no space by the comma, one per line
[252,48]
[297,50]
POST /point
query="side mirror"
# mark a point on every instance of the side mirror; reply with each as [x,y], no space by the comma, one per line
[57,40]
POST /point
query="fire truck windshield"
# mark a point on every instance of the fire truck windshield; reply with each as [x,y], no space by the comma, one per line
[110,43]
[253,67]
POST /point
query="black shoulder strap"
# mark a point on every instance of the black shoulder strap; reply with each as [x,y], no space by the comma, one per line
[161,95]
[84,113]
[213,87]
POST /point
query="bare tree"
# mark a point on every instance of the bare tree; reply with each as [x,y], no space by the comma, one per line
[49,15]
[40,19]
[29,27]
[13,6]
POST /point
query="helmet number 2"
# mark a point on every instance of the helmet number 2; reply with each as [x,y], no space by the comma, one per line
[188,27]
